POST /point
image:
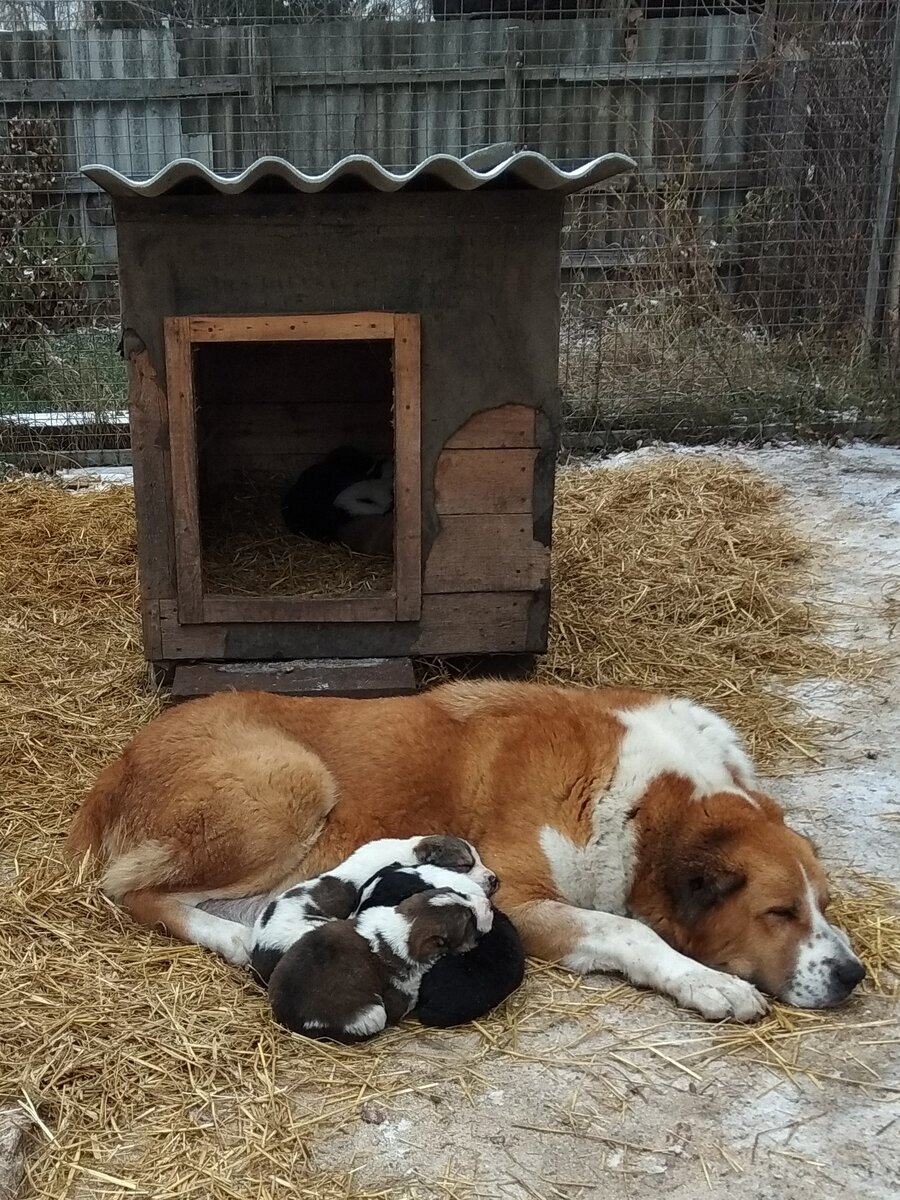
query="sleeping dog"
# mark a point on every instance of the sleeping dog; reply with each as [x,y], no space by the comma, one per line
[335,895]
[630,828]
[461,987]
[349,979]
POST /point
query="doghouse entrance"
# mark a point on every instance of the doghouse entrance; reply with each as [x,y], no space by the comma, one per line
[295,458]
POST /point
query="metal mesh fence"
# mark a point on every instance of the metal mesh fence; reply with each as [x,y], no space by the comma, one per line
[744,282]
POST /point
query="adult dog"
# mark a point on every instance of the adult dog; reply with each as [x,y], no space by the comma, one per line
[627,828]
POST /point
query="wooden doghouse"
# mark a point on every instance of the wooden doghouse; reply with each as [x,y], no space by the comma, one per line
[273,316]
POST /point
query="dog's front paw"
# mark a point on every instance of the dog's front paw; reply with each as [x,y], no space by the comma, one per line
[234,948]
[717,996]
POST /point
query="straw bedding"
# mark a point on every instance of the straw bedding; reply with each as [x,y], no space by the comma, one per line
[248,552]
[150,1067]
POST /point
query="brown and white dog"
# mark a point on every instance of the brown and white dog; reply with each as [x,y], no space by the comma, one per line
[627,828]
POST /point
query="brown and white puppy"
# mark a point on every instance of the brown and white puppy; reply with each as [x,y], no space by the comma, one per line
[336,895]
[463,987]
[348,980]
[628,827]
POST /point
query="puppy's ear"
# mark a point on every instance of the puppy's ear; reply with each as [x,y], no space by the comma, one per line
[425,941]
[450,852]
[700,882]
[436,944]
[463,933]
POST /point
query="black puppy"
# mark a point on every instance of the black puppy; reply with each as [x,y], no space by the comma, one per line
[308,507]
[462,987]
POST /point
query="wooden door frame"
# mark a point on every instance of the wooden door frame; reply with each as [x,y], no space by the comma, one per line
[404,601]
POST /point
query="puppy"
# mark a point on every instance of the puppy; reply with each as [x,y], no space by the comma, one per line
[348,980]
[372,497]
[462,987]
[309,507]
[335,895]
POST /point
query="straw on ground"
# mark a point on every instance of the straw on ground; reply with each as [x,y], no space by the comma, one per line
[138,1059]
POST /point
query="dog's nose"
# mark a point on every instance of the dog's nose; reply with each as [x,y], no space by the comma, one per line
[492,884]
[849,972]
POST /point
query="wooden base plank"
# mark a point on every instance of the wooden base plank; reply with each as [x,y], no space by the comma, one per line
[457,623]
[358,678]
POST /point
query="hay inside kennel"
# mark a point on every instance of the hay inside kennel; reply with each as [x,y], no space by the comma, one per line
[247,551]
[148,1067]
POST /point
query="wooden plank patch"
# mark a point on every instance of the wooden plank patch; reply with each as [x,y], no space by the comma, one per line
[487,554]
[484,481]
[509,426]
[355,677]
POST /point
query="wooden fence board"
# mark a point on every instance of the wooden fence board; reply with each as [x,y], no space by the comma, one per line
[399,90]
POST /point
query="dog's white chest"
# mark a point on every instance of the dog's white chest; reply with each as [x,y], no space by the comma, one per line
[596,875]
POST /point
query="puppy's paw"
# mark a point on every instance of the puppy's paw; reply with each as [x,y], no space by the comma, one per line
[484,914]
[717,996]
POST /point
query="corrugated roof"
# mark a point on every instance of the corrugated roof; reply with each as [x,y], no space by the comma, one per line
[492,165]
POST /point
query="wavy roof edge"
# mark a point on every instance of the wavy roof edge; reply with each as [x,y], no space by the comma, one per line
[525,169]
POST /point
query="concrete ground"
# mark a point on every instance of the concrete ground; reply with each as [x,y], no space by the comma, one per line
[591,1092]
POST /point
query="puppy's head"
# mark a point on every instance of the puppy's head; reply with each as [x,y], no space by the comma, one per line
[455,854]
[741,892]
[367,498]
[444,922]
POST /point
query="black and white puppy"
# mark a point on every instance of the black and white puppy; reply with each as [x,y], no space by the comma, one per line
[468,985]
[311,508]
[349,979]
[335,895]
[371,497]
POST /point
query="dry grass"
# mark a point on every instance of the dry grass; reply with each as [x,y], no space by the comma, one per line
[683,574]
[640,373]
[152,1068]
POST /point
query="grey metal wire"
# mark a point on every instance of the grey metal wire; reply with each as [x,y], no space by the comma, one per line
[720,291]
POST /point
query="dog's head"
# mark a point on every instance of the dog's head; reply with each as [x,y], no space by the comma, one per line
[740,891]
[444,922]
[455,854]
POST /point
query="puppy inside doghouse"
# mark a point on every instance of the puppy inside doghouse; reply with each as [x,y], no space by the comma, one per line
[347,497]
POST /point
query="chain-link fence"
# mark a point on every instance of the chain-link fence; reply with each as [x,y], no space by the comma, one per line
[744,282]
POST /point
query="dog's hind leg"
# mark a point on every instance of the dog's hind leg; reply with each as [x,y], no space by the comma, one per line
[583,940]
[180,918]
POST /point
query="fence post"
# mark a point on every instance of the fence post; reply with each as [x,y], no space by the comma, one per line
[262,92]
[514,82]
[886,230]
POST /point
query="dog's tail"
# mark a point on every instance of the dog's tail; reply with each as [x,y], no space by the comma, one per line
[98,830]
[92,821]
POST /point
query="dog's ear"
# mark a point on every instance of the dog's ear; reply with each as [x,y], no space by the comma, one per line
[448,929]
[700,880]
[426,941]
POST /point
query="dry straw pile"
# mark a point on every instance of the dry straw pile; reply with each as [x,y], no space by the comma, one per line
[684,575]
[151,1068]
